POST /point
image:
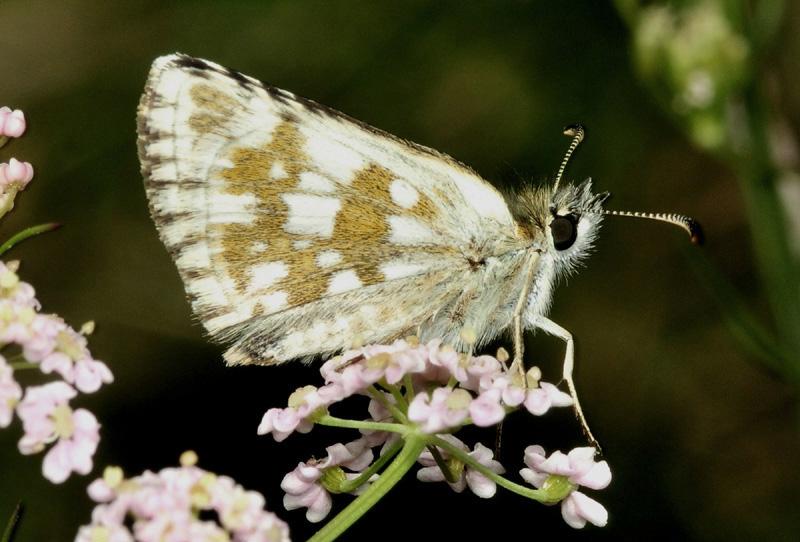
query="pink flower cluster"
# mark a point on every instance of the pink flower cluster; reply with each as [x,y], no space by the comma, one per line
[178,504]
[468,390]
[12,124]
[47,343]
[580,469]
[426,390]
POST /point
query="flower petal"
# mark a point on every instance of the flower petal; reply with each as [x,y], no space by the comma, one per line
[577,509]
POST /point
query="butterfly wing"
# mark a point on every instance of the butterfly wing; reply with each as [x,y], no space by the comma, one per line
[295,227]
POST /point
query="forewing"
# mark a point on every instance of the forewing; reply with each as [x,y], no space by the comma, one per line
[294,226]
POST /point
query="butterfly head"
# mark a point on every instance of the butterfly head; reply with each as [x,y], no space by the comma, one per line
[563,222]
[573,224]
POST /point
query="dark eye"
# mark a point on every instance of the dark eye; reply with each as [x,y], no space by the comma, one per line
[564,230]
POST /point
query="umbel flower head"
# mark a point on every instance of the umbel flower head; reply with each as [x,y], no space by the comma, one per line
[185,503]
[420,395]
[45,342]
[31,340]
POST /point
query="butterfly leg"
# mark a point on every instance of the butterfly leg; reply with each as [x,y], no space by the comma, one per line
[518,365]
[550,327]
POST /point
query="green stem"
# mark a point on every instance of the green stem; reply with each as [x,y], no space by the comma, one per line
[398,397]
[355,483]
[396,413]
[24,234]
[21,365]
[409,387]
[449,475]
[333,421]
[777,266]
[406,459]
[743,325]
[535,494]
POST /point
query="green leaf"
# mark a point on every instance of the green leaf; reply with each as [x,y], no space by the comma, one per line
[12,523]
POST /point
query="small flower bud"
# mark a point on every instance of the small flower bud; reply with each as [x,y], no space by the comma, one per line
[469,336]
[17,172]
[557,487]
[63,423]
[12,123]
[200,493]
[332,479]
[379,361]
[455,466]
[459,399]
[188,458]
[8,279]
[298,397]
[113,476]
[502,355]
[533,376]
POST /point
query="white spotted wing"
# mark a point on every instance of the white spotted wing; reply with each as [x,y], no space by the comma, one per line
[295,227]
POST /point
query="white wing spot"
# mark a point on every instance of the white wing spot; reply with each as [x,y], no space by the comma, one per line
[276,172]
[314,182]
[403,194]
[398,270]
[311,215]
[328,258]
[344,281]
[231,208]
[409,231]
[301,244]
[224,163]
[264,275]
[334,160]
[274,301]
[483,197]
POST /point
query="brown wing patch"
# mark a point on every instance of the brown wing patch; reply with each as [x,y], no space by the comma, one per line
[360,228]
[213,109]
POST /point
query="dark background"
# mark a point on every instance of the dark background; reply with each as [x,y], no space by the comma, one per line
[702,441]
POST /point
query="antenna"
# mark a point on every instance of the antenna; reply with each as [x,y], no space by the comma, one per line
[575,131]
[691,226]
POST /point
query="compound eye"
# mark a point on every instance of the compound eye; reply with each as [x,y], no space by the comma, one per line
[564,230]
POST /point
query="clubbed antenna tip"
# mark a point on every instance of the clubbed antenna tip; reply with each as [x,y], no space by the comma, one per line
[576,132]
[691,226]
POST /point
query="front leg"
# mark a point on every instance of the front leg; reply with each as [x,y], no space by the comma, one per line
[518,365]
[550,327]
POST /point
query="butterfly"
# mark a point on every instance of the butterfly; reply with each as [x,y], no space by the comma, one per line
[296,228]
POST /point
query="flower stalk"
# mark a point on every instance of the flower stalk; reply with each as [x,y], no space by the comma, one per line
[401,464]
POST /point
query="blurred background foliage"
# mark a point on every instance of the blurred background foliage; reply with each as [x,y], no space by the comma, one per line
[687,358]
